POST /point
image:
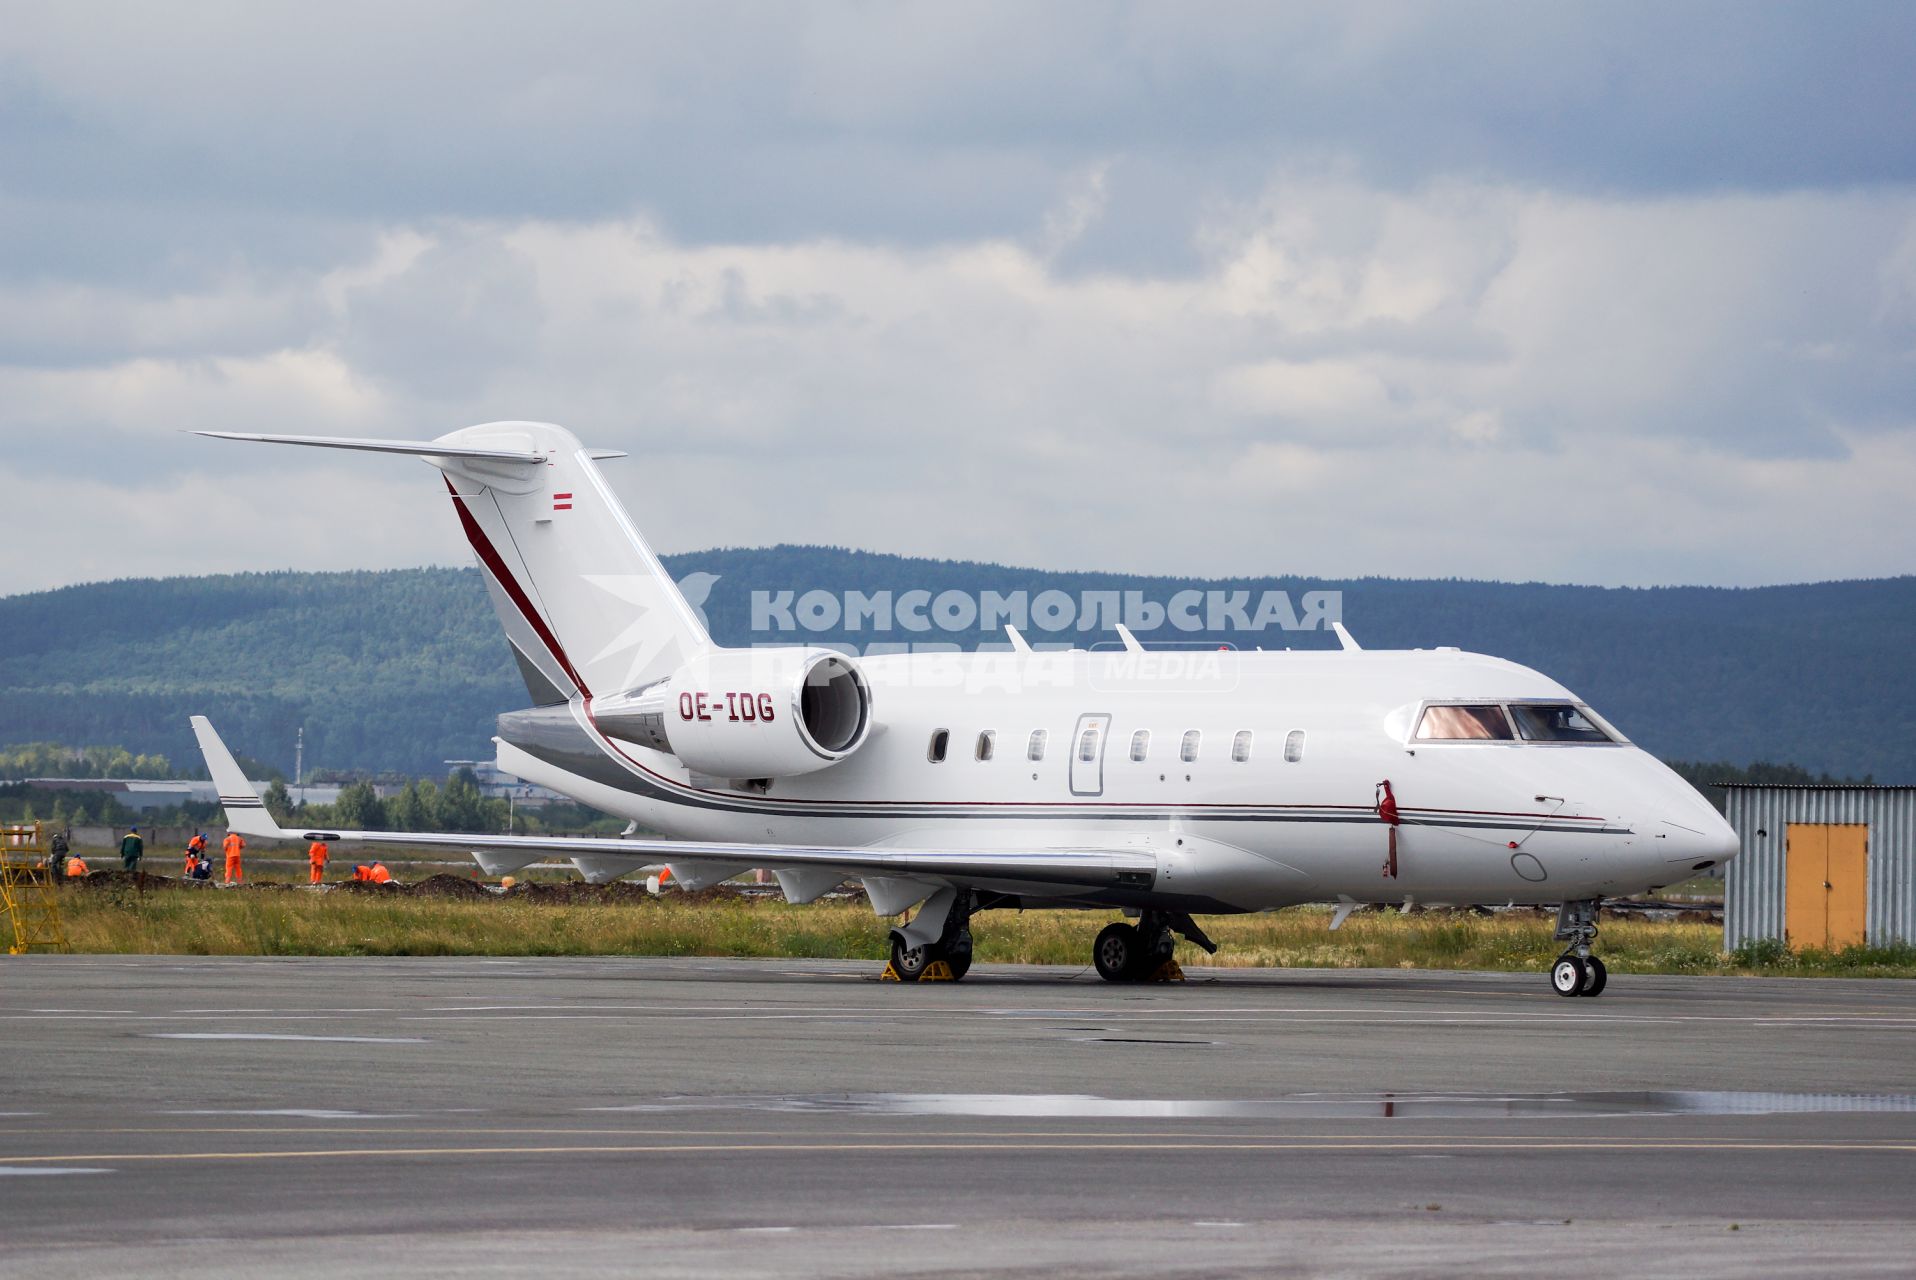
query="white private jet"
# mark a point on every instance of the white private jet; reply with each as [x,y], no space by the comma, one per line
[1162,785]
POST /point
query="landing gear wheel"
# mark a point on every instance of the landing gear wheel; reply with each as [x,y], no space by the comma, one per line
[1116,953]
[958,955]
[910,963]
[1568,976]
[1594,984]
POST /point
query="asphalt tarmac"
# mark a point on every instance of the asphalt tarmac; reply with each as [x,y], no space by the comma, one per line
[240,1117]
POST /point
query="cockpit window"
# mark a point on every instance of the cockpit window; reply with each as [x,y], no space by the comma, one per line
[1484,723]
[1556,722]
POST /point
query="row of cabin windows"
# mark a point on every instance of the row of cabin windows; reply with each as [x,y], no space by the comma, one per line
[1188,746]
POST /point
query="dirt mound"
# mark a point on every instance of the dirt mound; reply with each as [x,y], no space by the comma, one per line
[577,892]
[123,879]
[716,893]
[447,885]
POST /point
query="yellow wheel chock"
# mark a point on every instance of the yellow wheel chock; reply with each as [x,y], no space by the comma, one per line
[936,971]
[1167,972]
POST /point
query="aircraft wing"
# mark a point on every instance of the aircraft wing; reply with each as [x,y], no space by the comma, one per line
[895,878]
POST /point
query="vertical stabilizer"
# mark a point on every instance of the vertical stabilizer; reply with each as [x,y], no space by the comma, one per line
[586,604]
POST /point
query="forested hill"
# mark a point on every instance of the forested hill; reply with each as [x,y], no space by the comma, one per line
[403,670]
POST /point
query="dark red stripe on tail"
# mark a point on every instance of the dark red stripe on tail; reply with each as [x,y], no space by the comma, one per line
[496,566]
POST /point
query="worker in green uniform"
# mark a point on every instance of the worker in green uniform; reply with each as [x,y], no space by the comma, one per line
[132,849]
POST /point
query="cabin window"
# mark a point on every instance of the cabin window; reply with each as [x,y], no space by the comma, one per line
[1088,745]
[940,739]
[1141,744]
[1557,722]
[1241,746]
[1034,750]
[1188,749]
[987,743]
[1294,746]
[1485,723]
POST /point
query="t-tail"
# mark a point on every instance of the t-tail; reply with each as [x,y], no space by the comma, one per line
[585,603]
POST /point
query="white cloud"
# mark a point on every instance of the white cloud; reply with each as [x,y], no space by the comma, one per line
[1460,379]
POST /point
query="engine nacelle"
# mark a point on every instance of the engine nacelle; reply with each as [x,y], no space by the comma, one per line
[748,713]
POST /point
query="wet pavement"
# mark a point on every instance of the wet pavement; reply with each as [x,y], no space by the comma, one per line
[284,1116]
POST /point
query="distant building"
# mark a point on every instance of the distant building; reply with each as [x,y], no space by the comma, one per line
[496,782]
[1821,866]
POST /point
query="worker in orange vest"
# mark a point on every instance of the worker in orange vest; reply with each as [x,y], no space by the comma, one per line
[76,868]
[195,850]
[317,856]
[234,844]
[374,874]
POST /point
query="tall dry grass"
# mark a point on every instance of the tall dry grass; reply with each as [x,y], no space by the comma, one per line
[298,923]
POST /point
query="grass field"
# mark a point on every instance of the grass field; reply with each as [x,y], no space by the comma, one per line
[293,922]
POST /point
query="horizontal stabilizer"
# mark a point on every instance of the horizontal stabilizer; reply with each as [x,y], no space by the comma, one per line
[412,448]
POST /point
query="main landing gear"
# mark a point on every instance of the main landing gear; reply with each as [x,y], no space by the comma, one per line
[909,963]
[948,959]
[1140,952]
[1577,972]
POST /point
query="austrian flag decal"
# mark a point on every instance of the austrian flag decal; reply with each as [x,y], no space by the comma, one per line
[562,502]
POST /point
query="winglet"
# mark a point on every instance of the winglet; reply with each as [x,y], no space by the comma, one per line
[1344,637]
[1018,644]
[245,811]
[1131,644]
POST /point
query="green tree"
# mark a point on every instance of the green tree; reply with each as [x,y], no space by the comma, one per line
[359,808]
[415,809]
[278,803]
[462,806]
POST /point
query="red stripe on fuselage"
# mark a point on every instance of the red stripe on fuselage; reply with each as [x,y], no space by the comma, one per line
[496,566]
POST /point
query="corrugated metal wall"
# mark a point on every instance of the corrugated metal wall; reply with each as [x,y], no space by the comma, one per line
[1754,882]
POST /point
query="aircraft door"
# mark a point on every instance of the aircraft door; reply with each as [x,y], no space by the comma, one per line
[1087,754]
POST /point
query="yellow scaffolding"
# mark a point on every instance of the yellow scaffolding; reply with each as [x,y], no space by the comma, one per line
[29,889]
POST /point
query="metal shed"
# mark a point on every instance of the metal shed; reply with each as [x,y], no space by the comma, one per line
[1821,866]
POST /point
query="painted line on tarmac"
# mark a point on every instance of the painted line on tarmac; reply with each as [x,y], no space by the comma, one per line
[299,1114]
[268,1035]
[1299,1146]
[1457,1140]
[45,1171]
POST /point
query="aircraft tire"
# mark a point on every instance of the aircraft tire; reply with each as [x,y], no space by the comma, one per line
[1568,976]
[1599,977]
[1116,953]
[910,963]
[958,955]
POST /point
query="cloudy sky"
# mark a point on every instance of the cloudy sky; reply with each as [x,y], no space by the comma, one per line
[1613,294]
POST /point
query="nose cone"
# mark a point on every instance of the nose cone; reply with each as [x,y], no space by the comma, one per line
[1694,833]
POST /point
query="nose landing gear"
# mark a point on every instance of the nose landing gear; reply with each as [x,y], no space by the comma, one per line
[1577,972]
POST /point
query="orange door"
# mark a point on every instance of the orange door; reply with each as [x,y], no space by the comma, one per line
[1826,877]
[1849,885]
